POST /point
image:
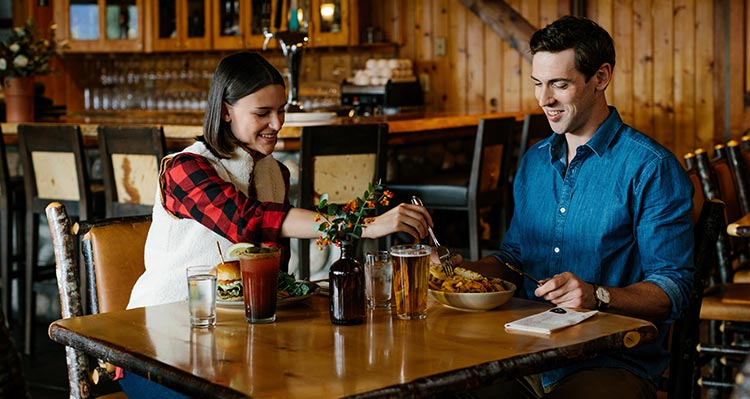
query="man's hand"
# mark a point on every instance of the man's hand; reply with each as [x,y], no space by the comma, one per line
[567,290]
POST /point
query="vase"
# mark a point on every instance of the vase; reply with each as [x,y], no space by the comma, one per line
[347,289]
[19,99]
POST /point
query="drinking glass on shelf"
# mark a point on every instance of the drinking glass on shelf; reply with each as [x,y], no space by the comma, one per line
[202,295]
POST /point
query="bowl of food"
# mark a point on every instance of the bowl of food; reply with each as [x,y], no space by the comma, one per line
[468,290]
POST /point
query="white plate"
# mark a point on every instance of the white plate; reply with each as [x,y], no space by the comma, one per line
[301,117]
[280,302]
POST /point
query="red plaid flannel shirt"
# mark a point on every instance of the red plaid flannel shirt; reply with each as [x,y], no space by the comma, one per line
[193,190]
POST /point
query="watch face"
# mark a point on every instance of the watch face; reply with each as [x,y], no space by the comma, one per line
[602,294]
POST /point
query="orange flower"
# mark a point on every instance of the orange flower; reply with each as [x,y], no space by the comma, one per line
[344,224]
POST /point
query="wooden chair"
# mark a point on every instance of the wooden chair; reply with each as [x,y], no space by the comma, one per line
[340,160]
[55,169]
[130,157]
[12,207]
[113,254]
[739,167]
[725,304]
[484,187]
[685,331]
[717,183]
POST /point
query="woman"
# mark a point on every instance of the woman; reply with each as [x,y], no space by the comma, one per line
[227,187]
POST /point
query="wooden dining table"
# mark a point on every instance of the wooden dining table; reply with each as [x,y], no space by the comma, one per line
[303,355]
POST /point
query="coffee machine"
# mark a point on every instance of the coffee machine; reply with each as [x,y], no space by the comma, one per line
[385,99]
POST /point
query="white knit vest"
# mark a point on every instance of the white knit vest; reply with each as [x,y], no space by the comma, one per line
[173,244]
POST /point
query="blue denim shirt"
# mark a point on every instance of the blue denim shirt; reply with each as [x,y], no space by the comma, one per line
[617,215]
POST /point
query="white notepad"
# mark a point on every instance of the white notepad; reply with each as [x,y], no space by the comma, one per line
[549,321]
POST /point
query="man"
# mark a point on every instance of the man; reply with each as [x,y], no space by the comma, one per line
[602,216]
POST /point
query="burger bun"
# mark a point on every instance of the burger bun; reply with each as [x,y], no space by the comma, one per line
[228,271]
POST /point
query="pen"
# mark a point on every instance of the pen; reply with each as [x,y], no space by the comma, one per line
[523,273]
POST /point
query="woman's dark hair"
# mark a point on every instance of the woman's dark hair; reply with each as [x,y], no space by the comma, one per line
[236,76]
[592,44]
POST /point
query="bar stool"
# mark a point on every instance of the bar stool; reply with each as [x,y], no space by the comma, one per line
[12,207]
[130,158]
[54,169]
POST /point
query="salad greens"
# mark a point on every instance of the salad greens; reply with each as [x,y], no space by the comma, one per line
[290,287]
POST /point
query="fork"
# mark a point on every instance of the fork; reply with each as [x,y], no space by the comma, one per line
[443,252]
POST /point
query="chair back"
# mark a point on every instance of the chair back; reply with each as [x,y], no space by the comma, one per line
[340,160]
[740,176]
[114,244]
[491,167]
[11,211]
[113,255]
[54,168]
[716,183]
[685,331]
[4,175]
[130,157]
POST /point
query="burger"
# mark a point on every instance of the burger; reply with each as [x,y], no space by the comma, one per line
[229,281]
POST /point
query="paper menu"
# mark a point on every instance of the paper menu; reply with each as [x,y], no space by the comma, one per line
[548,321]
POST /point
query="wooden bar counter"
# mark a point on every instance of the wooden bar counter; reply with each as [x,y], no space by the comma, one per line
[402,128]
[303,355]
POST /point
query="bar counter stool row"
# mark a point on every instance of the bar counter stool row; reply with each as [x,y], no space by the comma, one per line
[725,304]
[56,169]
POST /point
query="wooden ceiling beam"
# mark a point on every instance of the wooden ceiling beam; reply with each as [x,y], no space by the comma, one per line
[505,21]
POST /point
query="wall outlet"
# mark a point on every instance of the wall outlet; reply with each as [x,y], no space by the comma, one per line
[424,81]
[440,49]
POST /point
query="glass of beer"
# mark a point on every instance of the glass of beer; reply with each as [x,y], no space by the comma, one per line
[411,268]
[260,280]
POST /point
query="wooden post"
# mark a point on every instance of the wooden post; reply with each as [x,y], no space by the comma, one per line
[505,21]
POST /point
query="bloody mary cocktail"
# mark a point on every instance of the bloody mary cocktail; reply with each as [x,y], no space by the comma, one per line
[260,276]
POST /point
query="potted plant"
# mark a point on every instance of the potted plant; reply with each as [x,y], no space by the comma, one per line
[23,55]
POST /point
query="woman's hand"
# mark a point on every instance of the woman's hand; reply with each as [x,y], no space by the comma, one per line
[407,218]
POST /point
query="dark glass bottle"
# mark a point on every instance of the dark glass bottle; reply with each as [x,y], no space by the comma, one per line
[347,289]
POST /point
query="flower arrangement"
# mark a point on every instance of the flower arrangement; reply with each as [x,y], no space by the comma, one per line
[25,53]
[344,224]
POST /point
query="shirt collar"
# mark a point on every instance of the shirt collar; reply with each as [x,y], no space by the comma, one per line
[598,143]
[606,132]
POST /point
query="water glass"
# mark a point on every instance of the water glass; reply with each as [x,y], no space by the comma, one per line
[378,279]
[411,268]
[260,280]
[202,295]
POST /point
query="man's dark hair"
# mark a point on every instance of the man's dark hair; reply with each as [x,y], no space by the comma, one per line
[592,44]
[236,76]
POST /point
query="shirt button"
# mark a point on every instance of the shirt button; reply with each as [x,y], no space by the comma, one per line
[562,210]
[557,250]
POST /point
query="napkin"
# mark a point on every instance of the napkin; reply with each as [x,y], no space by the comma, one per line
[548,321]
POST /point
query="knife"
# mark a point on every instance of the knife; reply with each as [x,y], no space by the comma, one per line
[523,273]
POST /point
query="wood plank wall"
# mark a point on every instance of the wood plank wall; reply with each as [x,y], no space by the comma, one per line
[682,65]
[682,73]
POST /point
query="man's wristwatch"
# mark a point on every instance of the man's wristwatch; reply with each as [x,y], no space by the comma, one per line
[602,297]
